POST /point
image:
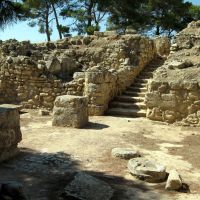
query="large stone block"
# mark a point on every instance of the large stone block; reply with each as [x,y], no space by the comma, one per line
[10,134]
[70,111]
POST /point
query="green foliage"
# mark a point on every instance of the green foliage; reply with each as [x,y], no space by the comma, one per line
[86,15]
[155,16]
[39,14]
[65,30]
[168,16]
[10,12]
[195,12]
[147,16]
[91,29]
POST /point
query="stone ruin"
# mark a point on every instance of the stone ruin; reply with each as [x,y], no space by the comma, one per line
[82,75]
[174,92]
[99,67]
[94,68]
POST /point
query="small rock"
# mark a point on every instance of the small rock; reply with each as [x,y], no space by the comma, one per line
[87,187]
[147,170]
[125,153]
[174,181]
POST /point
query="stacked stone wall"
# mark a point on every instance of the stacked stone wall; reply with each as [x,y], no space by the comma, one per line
[99,66]
[174,93]
[174,101]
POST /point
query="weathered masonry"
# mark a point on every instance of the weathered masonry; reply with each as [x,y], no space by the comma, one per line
[99,67]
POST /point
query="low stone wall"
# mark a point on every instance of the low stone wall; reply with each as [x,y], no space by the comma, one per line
[10,134]
[26,85]
[174,101]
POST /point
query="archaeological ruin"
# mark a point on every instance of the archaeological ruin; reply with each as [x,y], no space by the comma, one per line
[107,67]
[106,116]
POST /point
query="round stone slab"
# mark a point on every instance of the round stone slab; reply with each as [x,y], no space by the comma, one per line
[147,170]
[125,153]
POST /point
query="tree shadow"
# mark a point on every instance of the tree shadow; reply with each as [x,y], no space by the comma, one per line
[45,175]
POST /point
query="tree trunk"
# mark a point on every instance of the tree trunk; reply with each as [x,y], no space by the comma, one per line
[47,23]
[89,15]
[157,30]
[57,21]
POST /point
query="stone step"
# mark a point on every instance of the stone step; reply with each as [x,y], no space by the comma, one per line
[119,104]
[147,73]
[143,76]
[127,112]
[138,85]
[138,89]
[125,98]
[140,80]
[134,93]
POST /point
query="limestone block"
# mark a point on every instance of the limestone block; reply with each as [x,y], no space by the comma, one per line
[95,77]
[155,114]
[97,110]
[174,181]
[170,116]
[53,65]
[162,46]
[152,99]
[125,153]
[147,170]
[10,134]
[70,111]
[168,101]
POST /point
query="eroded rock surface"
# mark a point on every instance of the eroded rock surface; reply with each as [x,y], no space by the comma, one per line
[147,170]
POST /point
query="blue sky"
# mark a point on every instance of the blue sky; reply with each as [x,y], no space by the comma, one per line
[21,31]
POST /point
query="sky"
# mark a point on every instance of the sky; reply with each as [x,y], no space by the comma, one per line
[21,31]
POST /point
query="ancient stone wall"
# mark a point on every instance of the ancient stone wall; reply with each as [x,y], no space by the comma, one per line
[174,93]
[99,66]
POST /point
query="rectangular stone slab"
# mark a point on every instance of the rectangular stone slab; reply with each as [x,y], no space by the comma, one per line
[10,134]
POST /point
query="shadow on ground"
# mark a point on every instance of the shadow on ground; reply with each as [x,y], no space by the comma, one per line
[96,126]
[44,176]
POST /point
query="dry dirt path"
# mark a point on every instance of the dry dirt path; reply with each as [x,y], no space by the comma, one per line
[50,154]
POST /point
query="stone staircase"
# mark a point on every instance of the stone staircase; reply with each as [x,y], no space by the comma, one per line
[131,102]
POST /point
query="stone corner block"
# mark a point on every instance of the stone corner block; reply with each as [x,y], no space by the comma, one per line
[70,111]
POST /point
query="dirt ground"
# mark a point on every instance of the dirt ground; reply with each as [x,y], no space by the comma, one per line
[49,155]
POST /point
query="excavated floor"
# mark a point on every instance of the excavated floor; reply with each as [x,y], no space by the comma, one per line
[50,154]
